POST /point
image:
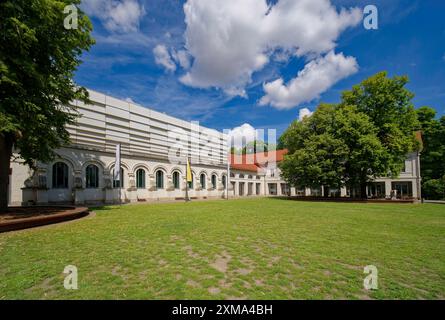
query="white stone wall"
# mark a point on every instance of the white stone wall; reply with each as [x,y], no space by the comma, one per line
[250,180]
[77,161]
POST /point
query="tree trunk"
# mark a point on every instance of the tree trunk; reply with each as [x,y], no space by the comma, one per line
[363,190]
[325,191]
[5,160]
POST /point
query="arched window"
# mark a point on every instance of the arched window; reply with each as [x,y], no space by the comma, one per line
[140,179]
[60,175]
[241,176]
[224,181]
[176,179]
[118,183]
[159,179]
[214,181]
[92,176]
[249,176]
[232,175]
[190,183]
[202,180]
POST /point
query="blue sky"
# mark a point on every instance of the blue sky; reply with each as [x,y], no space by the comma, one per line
[221,64]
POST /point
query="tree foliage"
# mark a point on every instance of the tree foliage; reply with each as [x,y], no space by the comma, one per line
[255,146]
[337,146]
[388,104]
[38,58]
[433,154]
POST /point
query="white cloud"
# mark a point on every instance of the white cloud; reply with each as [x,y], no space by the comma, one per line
[316,77]
[120,16]
[182,58]
[163,58]
[304,112]
[241,135]
[230,40]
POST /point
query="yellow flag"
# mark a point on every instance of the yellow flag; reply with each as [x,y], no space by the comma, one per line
[189,172]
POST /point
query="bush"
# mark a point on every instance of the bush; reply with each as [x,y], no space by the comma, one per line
[434,189]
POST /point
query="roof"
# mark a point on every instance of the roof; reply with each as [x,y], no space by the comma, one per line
[254,162]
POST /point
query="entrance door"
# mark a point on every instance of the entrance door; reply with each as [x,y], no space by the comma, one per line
[241,188]
[273,189]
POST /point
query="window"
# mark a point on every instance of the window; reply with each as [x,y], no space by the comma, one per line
[140,179]
[92,176]
[241,188]
[202,179]
[159,179]
[214,181]
[60,175]
[250,176]
[224,181]
[405,167]
[190,183]
[118,183]
[176,179]
[272,189]
[232,175]
[285,189]
[241,176]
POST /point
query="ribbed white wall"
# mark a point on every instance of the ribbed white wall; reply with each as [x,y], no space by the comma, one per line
[143,132]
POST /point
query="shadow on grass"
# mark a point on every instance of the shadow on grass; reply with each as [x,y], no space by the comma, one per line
[104,207]
[344,200]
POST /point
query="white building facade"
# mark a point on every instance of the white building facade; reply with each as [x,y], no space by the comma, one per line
[154,151]
[263,177]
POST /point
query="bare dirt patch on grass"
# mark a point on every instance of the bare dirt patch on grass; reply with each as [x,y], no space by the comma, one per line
[213,290]
[46,286]
[221,262]
[191,253]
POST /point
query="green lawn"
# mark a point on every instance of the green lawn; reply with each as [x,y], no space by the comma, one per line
[253,248]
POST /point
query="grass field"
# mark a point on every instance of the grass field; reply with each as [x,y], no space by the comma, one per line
[253,248]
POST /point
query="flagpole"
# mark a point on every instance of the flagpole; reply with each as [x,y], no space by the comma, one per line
[187,164]
[186,182]
[117,171]
[228,178]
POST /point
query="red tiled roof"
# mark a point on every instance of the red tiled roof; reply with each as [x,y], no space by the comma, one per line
[245,167]
[264,157]
[253,162]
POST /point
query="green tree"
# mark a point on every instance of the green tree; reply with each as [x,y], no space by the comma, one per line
[38,58]
[370,133]
[317,163]
[337,146]
[432,164]
[315,154]
[257,146]
[434,188]
[388,104]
